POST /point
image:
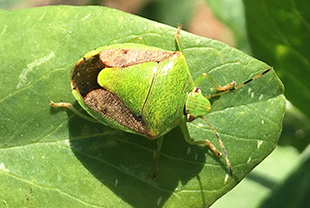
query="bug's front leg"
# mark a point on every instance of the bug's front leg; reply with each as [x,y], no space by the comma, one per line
[217,87]
[229,87]
[206,142]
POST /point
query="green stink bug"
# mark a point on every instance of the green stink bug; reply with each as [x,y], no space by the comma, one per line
[143,90]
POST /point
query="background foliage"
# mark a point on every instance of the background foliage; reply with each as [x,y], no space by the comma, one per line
[274,33]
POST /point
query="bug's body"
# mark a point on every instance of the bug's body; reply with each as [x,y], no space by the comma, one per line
[145,90]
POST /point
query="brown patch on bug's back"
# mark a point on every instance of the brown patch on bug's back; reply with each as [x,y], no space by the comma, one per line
[120,57]
[108,105]
[84,75]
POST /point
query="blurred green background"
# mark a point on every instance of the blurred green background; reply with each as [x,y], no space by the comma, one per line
[276,32]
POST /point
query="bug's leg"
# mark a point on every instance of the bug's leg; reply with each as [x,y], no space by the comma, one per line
[70,107]
[234,87]
[226,88]
[177,38]
[222,146]
[157,156]
[218,87]
[208,143]
[198,142]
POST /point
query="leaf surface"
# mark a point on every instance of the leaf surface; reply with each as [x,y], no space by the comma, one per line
[52,158]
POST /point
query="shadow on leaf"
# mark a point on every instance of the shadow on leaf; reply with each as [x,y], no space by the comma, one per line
[123,162]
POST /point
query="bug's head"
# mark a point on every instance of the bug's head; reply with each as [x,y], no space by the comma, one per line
[196,104]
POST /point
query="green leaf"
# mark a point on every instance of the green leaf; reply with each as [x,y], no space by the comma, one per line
[249,121]
[279,34]
[52,158]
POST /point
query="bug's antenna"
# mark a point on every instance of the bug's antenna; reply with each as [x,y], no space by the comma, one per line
[222,146]
[231,87]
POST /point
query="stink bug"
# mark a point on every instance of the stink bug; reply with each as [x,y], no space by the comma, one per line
[144,90]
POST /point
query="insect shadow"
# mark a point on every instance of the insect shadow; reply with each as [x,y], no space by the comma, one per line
[123,162]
